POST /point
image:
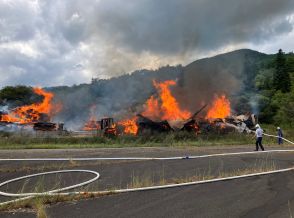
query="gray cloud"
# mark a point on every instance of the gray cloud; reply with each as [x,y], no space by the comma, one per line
[49,42]
[173,26]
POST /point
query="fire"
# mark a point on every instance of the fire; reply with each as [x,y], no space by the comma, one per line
[130,126]
[92,123]
[220,108]
[166,107]
[8,118]
[34,112]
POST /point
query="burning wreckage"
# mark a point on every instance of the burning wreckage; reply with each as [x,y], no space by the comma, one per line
[35,116]
[241,124]
[161,114]
[142,125]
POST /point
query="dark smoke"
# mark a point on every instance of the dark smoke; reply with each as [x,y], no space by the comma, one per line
[66,42]
[203,80]
[175,27]
[123,97]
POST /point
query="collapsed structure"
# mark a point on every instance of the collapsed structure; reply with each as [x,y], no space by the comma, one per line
[241,124]
[161,113]
[36,116]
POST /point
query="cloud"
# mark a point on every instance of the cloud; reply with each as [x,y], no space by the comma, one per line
[173,26]
[44,42]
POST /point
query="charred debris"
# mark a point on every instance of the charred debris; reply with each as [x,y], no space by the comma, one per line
[146,126]
[41,124]
[198,125]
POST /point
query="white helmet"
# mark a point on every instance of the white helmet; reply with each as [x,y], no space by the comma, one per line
[257,126]
[278,127]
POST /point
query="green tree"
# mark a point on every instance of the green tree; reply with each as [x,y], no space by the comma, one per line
[264,79]
[18,95]
[285,113]
[281,76]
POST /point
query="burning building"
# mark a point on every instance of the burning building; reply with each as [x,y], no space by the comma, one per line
[37,115]
[162,113]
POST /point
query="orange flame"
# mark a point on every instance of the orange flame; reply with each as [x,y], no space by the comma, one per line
[92,123]
[130,126]
[8,118]
[220,108]
[32,113]
[166,107]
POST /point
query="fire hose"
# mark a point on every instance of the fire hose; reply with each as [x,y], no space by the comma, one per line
[25,196]
[279,137]
[287,140]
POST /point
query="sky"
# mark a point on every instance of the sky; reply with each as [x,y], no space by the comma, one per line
[52,43]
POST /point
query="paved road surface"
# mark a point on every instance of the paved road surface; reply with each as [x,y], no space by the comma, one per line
[263,196]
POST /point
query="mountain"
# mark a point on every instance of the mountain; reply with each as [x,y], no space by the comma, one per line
[230,74]
[244,76]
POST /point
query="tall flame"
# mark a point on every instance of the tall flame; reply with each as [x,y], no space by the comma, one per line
[32,113]
[166,107]
[220,108]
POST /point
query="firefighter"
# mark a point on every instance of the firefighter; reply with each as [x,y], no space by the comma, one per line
[280,136]
[258,134]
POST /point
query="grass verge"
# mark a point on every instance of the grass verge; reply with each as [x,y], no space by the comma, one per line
[179,139]
[148,180]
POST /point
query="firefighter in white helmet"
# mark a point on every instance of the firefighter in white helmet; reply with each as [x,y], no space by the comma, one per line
[258,134]
[280,135]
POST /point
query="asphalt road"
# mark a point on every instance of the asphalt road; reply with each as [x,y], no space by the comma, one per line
[263,196]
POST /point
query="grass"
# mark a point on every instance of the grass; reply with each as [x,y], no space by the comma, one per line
[180,139]
[138,182]
[38,204]
[148,180]
[271,129]
[40,208]
[175,139]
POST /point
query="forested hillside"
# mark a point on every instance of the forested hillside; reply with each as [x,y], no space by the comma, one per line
[254,82]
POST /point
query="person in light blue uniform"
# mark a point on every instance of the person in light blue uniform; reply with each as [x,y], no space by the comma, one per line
[280,136]
[258,134]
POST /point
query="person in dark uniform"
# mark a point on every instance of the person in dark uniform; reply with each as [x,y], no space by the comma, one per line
[280,136]
[258,134]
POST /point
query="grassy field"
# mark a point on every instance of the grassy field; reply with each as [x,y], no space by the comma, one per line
[180,139]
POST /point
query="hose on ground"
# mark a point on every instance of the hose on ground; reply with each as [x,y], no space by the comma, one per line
[55,192]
